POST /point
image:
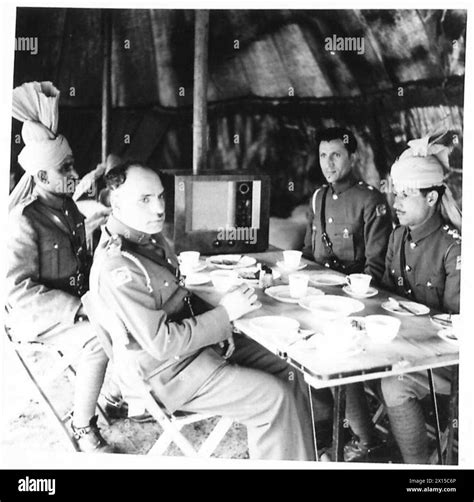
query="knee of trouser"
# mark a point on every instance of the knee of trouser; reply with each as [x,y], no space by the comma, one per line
[280,395]
[397,391]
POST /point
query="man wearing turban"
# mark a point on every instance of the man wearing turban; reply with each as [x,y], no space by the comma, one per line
[423,263]
[48,262]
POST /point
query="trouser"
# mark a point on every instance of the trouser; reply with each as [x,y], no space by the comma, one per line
[275,410]
[90,370]
[402,396]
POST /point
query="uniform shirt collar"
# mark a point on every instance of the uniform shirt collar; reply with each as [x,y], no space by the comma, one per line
[50,199]
[427,228]
[343,185]
[115,226]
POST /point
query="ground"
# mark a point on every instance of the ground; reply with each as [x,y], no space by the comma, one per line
[28,426]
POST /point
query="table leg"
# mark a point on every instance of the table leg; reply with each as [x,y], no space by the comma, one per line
[313,424]
[435,411]
[338,422]
[453,403]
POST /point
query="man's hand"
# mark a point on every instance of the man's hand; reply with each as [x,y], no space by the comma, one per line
[87,182]
[230,346]
[239,302]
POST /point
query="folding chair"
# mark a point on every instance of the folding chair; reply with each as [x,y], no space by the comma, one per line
[107,325]
[63,364]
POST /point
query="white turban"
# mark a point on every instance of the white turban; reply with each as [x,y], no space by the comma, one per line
[36,105]
[423,165]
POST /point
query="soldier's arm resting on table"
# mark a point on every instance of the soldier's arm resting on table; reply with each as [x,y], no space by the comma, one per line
[149,325]
[377,229]
[452,265]
[45,306]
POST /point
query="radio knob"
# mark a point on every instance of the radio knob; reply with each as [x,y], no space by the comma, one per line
[231,243]
[244,188]
[216,243]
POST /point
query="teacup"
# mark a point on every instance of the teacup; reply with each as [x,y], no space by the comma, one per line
[292,259]
[223,280]
[298,285]
[359,283]
[189,260]
[382,328]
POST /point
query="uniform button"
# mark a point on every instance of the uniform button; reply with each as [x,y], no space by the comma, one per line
[314,227]
[55,246]
[326,265]
[408,268]
[169,260]
[330,220]
[335,197]
[153,241]
[167,283]
[409,291]
[393,271]
[413,245]
[429,284]
[66,212]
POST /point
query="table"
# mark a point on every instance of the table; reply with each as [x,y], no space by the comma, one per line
[416,347]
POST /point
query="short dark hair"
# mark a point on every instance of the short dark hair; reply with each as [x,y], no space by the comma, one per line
[118,174]
[341,133]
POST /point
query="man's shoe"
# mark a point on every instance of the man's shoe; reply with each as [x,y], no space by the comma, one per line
[89,438]
[115,407]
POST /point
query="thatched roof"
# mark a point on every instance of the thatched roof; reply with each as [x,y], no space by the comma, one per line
[409,76]
[152,52]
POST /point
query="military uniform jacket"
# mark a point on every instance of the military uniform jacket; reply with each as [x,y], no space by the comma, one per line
[358,224]
[171,347]
[432,264]
[46,264]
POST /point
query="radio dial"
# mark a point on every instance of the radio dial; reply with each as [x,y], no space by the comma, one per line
[244,188]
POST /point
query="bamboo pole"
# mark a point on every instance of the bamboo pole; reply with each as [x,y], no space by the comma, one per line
[106,49]
[201,36]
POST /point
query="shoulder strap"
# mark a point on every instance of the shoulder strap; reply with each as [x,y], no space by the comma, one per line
[405,286]
[53,218]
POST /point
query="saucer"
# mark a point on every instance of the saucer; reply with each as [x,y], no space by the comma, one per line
[448,336]
[282,294]
[231,261]
[281,264]
[198,268]
[370,292]
[326,279]
[418,307]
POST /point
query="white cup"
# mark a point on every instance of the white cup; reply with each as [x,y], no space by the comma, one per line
[189,260]
[359,283]
[223,280]
[298,285]
[292,259]
[381,328]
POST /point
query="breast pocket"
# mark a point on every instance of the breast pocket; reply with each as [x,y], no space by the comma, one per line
[343,243]
[56,260]
[430,288]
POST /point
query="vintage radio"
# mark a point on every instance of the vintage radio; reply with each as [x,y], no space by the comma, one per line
[219,212]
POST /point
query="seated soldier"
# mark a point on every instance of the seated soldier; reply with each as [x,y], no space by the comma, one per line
[348,230]
[191,359]
[48,264]
[423,263]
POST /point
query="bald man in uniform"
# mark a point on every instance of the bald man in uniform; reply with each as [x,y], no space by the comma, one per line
[190,357]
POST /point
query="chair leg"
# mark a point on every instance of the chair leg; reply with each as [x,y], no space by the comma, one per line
[215,437]
[49,406]
[339,414]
